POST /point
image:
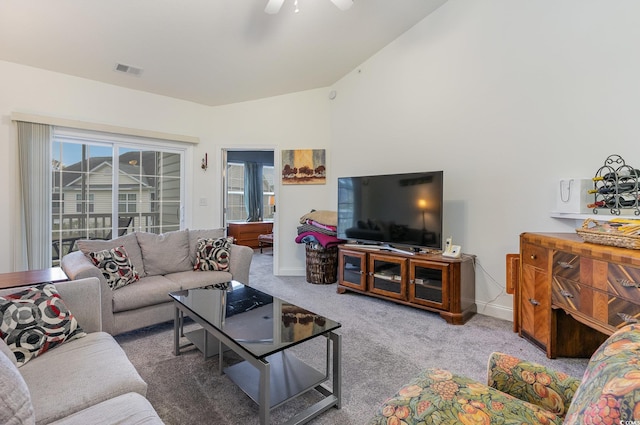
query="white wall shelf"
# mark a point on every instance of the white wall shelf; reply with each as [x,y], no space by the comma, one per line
[584,216]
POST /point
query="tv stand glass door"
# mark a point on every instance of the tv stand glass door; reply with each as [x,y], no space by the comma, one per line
[427,283]
[387,275]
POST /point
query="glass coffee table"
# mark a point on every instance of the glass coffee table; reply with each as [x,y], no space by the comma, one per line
[260,328]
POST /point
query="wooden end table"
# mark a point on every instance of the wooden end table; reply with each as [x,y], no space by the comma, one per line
[32,277]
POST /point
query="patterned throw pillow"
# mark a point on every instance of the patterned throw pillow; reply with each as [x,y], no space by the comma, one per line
[36,320]
[116,267]
[213,254]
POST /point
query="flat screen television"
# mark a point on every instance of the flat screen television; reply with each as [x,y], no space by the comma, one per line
[396,210]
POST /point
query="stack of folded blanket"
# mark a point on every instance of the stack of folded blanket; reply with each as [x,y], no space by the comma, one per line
[318,228]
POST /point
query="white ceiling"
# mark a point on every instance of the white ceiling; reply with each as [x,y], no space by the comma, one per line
[212,52]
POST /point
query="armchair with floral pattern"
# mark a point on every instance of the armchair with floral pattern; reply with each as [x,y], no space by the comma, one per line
[521,392]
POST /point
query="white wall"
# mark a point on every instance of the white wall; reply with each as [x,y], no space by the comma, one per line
[506,97]
[296,121]
[300,120]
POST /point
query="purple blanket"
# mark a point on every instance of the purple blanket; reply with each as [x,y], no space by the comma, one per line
[326,241]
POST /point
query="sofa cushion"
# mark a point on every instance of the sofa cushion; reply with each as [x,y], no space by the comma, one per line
[130,409]
[78,375]
[165,253]
[148,291]
[213,254]
[129,241]
[115,266]
[610,388]
[15,400]
[36,320]
[191,279]
[196,234]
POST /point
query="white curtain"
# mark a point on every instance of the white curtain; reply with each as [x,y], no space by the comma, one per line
[34,147]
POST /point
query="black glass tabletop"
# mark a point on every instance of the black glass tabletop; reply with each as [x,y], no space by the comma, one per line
[260,323]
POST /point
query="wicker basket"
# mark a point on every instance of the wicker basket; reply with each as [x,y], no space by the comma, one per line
[606,238]
[322,264]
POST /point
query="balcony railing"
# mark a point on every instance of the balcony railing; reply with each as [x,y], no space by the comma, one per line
[68,228]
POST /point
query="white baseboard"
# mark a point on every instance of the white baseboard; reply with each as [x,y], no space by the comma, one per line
[497,311]
[291,272]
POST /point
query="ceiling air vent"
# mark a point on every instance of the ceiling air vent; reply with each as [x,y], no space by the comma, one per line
[127,69]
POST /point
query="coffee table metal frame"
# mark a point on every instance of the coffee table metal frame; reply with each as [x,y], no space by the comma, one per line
[277,366]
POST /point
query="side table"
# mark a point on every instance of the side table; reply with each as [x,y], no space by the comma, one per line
[32,277]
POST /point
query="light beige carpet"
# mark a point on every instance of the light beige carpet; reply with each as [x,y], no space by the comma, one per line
[384,345]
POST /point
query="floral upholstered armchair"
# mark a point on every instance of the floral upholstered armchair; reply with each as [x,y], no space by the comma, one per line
[520,392]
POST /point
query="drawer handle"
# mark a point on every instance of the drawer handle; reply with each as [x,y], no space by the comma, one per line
[565,265]
[534,301]
[627,283]
[566,294]
[627,318]
[533,256]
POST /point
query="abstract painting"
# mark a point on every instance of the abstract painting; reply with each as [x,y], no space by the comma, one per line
[304,166]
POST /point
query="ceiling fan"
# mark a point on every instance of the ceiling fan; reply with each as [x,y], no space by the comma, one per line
[273,6]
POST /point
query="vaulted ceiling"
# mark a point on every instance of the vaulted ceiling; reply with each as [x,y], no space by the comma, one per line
[212,52]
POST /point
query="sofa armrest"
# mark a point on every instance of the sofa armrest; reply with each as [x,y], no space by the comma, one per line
[532,382]
[436,396]
[77,266]
[84,301]
[240,262]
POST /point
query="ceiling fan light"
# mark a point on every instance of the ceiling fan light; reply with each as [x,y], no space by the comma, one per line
[343,4]
[273,6]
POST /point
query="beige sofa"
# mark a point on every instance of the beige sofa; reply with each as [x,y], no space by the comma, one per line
[165,263]
[88,380]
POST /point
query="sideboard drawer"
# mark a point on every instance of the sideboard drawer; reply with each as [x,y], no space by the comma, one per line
[568,294]
[534,255]
[624,281]
[622,312]
[567,265]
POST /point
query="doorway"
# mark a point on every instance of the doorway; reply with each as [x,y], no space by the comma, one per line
[248,192]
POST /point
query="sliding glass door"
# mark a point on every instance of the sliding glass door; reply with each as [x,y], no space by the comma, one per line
[103,187]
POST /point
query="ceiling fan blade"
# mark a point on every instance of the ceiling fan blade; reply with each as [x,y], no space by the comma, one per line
[273,6]
[343,4]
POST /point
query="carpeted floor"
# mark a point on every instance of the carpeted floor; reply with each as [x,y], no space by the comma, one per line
[383,346]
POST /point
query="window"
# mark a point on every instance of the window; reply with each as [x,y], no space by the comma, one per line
[127,202]
[268,176]
[57,203]
[82,205]
[236,210]
[117,184]
[235,192]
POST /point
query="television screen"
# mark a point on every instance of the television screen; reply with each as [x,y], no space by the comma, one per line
[393,209]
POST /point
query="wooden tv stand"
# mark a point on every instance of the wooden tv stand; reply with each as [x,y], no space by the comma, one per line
[426,281]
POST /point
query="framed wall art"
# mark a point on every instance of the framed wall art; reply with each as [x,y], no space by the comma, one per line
[304,166]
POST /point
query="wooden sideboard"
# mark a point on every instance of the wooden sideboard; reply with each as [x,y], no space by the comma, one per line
[570,295]
[246,233]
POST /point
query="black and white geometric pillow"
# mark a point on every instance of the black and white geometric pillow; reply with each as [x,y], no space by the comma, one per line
[36,320]
[213,254]
[116,267]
